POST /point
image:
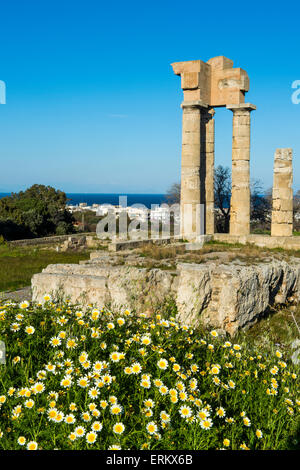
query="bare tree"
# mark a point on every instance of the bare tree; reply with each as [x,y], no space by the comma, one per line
[173,194]
[260,202]
[222,189]
[296,211]
[260,209]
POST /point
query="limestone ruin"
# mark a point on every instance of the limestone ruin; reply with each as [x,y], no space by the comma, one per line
[218,289]
[224,293]
[207,85]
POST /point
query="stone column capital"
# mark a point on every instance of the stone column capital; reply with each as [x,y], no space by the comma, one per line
[241,107]
[194,104]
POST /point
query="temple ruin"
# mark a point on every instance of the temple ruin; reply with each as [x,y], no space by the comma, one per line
[208,85]
[222,291]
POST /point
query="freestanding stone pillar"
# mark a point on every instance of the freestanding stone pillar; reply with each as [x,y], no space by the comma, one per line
[240,189]
[190,169]
[282,211]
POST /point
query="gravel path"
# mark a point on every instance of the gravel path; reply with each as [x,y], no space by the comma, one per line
[18,295]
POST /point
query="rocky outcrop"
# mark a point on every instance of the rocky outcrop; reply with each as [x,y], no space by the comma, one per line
[227,296]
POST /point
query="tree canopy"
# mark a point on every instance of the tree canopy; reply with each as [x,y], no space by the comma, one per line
[37,212]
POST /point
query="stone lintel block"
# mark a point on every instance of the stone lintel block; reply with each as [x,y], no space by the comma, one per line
[220,62]
[195,95]
[215,82]
[190,80]
[187,66]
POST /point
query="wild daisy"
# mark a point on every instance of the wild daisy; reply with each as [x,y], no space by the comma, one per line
[206,423]
[69,419]
[118,428]
[55,341]
[21,440]
[185,411]
[30,330]
[32,445]
[136,368]
[151,427]
[91,437]
[162,364]
[97,426]
[79,431]
[116,410]
[246,421]
[220,412]
[23,305]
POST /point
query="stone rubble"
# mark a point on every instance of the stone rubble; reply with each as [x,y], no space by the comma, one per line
[226,296]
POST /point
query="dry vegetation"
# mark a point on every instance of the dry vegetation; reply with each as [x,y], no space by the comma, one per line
[214,251]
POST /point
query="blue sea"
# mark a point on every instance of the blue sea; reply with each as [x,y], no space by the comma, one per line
[90,198]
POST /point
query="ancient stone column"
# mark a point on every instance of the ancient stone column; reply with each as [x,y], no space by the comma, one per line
[205,85]
[207,167]
[240,190]
[190,170]
[282,213]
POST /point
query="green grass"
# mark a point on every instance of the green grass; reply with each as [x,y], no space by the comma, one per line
[17,265]
[277,327]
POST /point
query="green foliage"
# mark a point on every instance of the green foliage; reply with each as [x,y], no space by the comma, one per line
[37,212]
[87,219]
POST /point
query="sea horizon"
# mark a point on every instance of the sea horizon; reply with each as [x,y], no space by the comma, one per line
[145,199]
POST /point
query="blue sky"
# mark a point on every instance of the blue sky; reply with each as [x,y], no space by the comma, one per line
[92,101]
